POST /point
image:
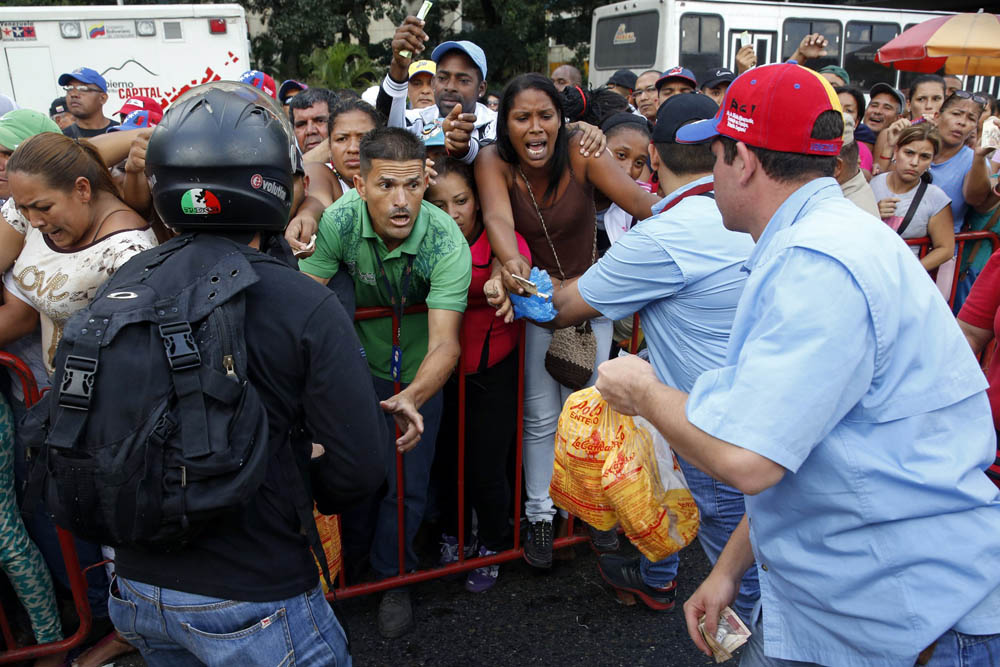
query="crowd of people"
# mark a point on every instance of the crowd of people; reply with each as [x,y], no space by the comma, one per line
[822,399]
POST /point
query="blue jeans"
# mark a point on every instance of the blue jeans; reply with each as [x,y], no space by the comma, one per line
[721,507]
[953,649]
[174,628]
[371,528]
[543,401]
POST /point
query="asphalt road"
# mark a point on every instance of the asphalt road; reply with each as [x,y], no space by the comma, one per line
[565,616]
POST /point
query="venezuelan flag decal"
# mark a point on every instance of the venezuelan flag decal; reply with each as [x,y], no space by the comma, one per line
[97,31]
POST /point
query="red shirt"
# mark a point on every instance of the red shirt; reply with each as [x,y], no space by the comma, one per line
[480,316]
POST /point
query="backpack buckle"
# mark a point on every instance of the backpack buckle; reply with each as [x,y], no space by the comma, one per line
[182,351]
[77,382]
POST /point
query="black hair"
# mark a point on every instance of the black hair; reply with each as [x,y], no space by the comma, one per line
[309,97]
[445,165]
[391,143]
[591,106]
[505,149]
[686,159]
[793,167]
[925,78]
[620,124]
[859,99]
[346,104]
[954,99]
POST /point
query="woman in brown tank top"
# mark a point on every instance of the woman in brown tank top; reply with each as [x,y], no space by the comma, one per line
[531,163]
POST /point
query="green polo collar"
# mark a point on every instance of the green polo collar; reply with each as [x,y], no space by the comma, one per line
[410,245]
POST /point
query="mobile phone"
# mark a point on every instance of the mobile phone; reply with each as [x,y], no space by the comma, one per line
[422,14]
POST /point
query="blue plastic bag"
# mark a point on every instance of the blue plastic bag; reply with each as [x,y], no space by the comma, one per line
[534,307]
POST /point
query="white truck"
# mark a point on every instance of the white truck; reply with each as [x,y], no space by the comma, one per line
[159,51]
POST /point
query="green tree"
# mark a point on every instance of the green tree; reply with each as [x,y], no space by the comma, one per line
[342,65]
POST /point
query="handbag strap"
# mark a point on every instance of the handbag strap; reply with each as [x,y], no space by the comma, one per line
[914,204]
[541,219]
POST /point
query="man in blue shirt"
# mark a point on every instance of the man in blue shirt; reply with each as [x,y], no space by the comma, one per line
[850,412]
[682,270]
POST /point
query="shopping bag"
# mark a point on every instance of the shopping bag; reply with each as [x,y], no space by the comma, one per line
[329,535]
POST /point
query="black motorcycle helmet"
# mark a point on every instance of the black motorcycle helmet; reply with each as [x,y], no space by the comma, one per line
[222,159]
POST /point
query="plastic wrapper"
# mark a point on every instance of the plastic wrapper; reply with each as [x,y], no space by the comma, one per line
[587,433]
[647,489]
[329,536]
[535,307]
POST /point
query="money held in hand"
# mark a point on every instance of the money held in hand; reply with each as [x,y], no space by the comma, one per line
[729,636]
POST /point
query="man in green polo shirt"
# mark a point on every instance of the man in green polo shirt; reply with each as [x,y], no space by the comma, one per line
[399,251]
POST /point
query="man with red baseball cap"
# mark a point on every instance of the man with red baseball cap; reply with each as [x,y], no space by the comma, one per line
[849,411]
[258,79]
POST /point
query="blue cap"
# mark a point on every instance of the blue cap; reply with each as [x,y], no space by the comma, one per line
[136,120]
[677,73]
[287,86]
[86,75]
[468,48]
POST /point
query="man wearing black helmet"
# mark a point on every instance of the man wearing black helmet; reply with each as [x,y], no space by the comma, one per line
[246,589]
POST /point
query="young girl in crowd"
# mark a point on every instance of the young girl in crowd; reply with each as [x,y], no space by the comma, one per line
[896,192]
[531,182]
[628,142]
[73,232]
[489,342]
[925,97]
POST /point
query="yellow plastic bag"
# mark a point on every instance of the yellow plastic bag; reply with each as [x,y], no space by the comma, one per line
[329,535]
[588,431]
[646,487]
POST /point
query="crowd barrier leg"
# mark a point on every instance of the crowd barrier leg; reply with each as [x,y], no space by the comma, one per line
[77,580]
[923,245]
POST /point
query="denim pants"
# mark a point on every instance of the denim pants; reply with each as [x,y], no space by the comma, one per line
[371,527]
[174,628]
[721,508]
[543,401]
[953,649]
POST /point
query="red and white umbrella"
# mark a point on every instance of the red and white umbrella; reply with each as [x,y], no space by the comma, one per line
[961,44]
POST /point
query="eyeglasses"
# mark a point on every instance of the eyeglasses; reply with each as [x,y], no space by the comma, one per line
[81,89]
[975,97]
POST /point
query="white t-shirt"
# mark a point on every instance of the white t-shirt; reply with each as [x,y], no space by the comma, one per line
[57,283]
[933,202]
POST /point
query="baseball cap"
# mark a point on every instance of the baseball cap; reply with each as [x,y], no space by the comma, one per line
[287,86]
[136,120]
[20,124]
[886,88]
[837,71]
[624,78]
[773,107]
[258,79]
[677,111]
[86,75]
[137,102]
[58,106]
[677,73]
[422,67]
[465,46]
[713,76]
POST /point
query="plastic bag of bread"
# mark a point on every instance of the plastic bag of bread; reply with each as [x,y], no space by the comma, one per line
[588,431]
[329,535]
[647,489]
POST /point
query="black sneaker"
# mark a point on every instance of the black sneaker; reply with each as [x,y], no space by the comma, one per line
[623,574]
[395,613]
[603,541]
[538,546]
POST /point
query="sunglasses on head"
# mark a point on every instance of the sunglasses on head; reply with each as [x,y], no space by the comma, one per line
[975,97]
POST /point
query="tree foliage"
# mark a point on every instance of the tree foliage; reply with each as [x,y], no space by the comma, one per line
[343,65]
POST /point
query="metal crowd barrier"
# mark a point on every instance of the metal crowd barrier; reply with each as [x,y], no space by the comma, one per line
[77,578]
[962,239]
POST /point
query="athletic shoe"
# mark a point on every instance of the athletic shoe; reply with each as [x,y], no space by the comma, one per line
[395,613]
[482,579]
[603,541]
[538,546]
[623,573]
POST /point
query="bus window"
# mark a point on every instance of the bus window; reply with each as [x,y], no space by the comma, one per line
[794,30]
[627,41]
[701,42]
[861,41]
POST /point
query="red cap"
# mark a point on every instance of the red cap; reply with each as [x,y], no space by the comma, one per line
[141,103]
[258,79]
[772,107]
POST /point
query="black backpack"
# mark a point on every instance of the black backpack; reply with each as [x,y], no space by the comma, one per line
[152,426]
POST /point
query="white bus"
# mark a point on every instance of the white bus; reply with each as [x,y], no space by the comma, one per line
[158,51]
[645,35]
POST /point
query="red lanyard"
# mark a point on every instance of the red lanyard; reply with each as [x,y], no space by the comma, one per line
[696,190]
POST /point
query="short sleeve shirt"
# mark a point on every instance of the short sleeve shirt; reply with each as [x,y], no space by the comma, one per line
[933,202]
[950,177]
[442,270]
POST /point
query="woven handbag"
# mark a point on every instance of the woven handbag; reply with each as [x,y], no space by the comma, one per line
[572,350]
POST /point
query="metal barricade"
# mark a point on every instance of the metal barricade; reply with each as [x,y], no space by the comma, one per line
[77,579]
[962,239]
[347,589]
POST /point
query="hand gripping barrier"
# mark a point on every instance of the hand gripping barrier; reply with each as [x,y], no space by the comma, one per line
[347,590]
[77,579]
